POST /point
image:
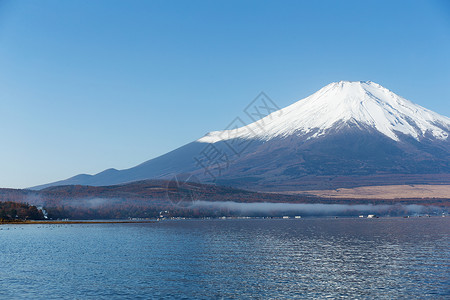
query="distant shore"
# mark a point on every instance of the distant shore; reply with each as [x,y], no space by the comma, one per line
[72,222]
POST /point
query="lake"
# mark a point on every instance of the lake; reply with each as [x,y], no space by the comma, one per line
[237,258]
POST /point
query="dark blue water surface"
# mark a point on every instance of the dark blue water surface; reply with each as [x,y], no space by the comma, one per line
[305,258]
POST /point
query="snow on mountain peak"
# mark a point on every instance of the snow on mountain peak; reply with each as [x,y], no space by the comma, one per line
[355,103]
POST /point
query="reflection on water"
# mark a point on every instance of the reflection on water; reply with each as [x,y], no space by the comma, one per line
[306,258]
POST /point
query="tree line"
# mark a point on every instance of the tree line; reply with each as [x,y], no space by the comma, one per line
[19,211]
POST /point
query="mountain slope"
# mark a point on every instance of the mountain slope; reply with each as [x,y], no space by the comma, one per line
[356,103]
[347,134]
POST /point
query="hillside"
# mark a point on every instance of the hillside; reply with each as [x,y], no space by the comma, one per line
[146,199]
[348,134]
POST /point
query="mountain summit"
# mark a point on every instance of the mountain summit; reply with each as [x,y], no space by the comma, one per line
[351,103]
[347,134]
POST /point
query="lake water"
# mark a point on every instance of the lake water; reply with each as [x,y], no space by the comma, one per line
[305,258]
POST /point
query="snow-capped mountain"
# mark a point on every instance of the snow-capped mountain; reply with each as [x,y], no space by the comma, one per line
[346,134]
[362,103]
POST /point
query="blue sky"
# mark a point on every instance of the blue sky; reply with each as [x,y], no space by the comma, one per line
[89,85]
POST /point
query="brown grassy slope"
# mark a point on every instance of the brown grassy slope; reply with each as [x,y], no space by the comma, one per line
[382,192]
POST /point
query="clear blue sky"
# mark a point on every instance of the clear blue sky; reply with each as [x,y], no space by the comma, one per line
[89,85]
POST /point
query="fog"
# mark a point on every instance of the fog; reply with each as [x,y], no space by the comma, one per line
[90,202]
[272,209]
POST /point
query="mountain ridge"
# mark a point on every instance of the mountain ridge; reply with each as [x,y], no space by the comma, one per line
[344,129]
[356,104]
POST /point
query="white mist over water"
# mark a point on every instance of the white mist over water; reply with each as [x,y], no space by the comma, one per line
[314,209]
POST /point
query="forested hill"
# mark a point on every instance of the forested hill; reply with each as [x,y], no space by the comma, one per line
[19,211]
[148,198]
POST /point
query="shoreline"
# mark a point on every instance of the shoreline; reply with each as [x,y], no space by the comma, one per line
[363,217]
[73,222]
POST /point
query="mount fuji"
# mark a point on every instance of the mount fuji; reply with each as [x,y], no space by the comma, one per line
[347,134]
